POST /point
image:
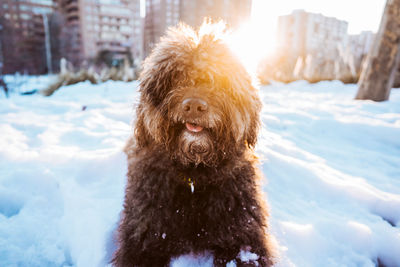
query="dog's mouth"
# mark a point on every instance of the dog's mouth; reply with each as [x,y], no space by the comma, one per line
[194,142]
[193,127]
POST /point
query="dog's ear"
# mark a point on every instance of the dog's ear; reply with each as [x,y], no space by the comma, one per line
[252,131]
[142,137]
[253,125]
[248,104]
[160,73]
[167,63]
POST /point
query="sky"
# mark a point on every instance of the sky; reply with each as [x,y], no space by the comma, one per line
[361,14]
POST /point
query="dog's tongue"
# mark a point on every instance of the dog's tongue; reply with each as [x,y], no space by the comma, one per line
[193,127]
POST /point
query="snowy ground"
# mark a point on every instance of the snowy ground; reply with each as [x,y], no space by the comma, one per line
[332,166]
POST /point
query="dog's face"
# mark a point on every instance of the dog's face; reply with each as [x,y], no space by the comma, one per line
[196,99]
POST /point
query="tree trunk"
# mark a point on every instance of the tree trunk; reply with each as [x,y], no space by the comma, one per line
[378,75]
[397,78]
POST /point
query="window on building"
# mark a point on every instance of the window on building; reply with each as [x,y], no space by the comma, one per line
[25,16]
[24,8]
[41,10]
[316,28]
[110,2]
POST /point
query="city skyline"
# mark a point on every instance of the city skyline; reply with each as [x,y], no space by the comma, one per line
[267,13]
[98,28]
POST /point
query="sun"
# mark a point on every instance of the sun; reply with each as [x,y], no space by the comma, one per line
[251,42]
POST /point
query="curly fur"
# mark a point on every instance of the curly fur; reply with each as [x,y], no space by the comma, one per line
[162,216]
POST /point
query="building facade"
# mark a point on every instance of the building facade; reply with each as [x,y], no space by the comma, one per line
[24,34]
[303,33]
[360,44]
[41,32]
[93,26]
[161,14]
[1,50]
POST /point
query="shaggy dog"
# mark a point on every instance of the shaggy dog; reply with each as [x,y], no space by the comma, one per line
[192,179]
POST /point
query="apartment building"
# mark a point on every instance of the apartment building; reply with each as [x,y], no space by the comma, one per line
[101,25]
[75,29]
[302,33]
[360,44]
[23,31]
[160,14]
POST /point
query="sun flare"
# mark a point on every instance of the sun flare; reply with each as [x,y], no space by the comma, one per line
[251,42]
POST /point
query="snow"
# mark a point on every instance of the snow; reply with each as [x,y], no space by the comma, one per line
[25,83]
[62,173]
[332,168]
[247,256]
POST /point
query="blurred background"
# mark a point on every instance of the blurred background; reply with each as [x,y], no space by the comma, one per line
[98,40]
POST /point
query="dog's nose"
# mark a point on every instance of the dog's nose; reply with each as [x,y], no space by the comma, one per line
[195,106]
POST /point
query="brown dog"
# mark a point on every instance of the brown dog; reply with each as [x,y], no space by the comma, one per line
[192,179]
